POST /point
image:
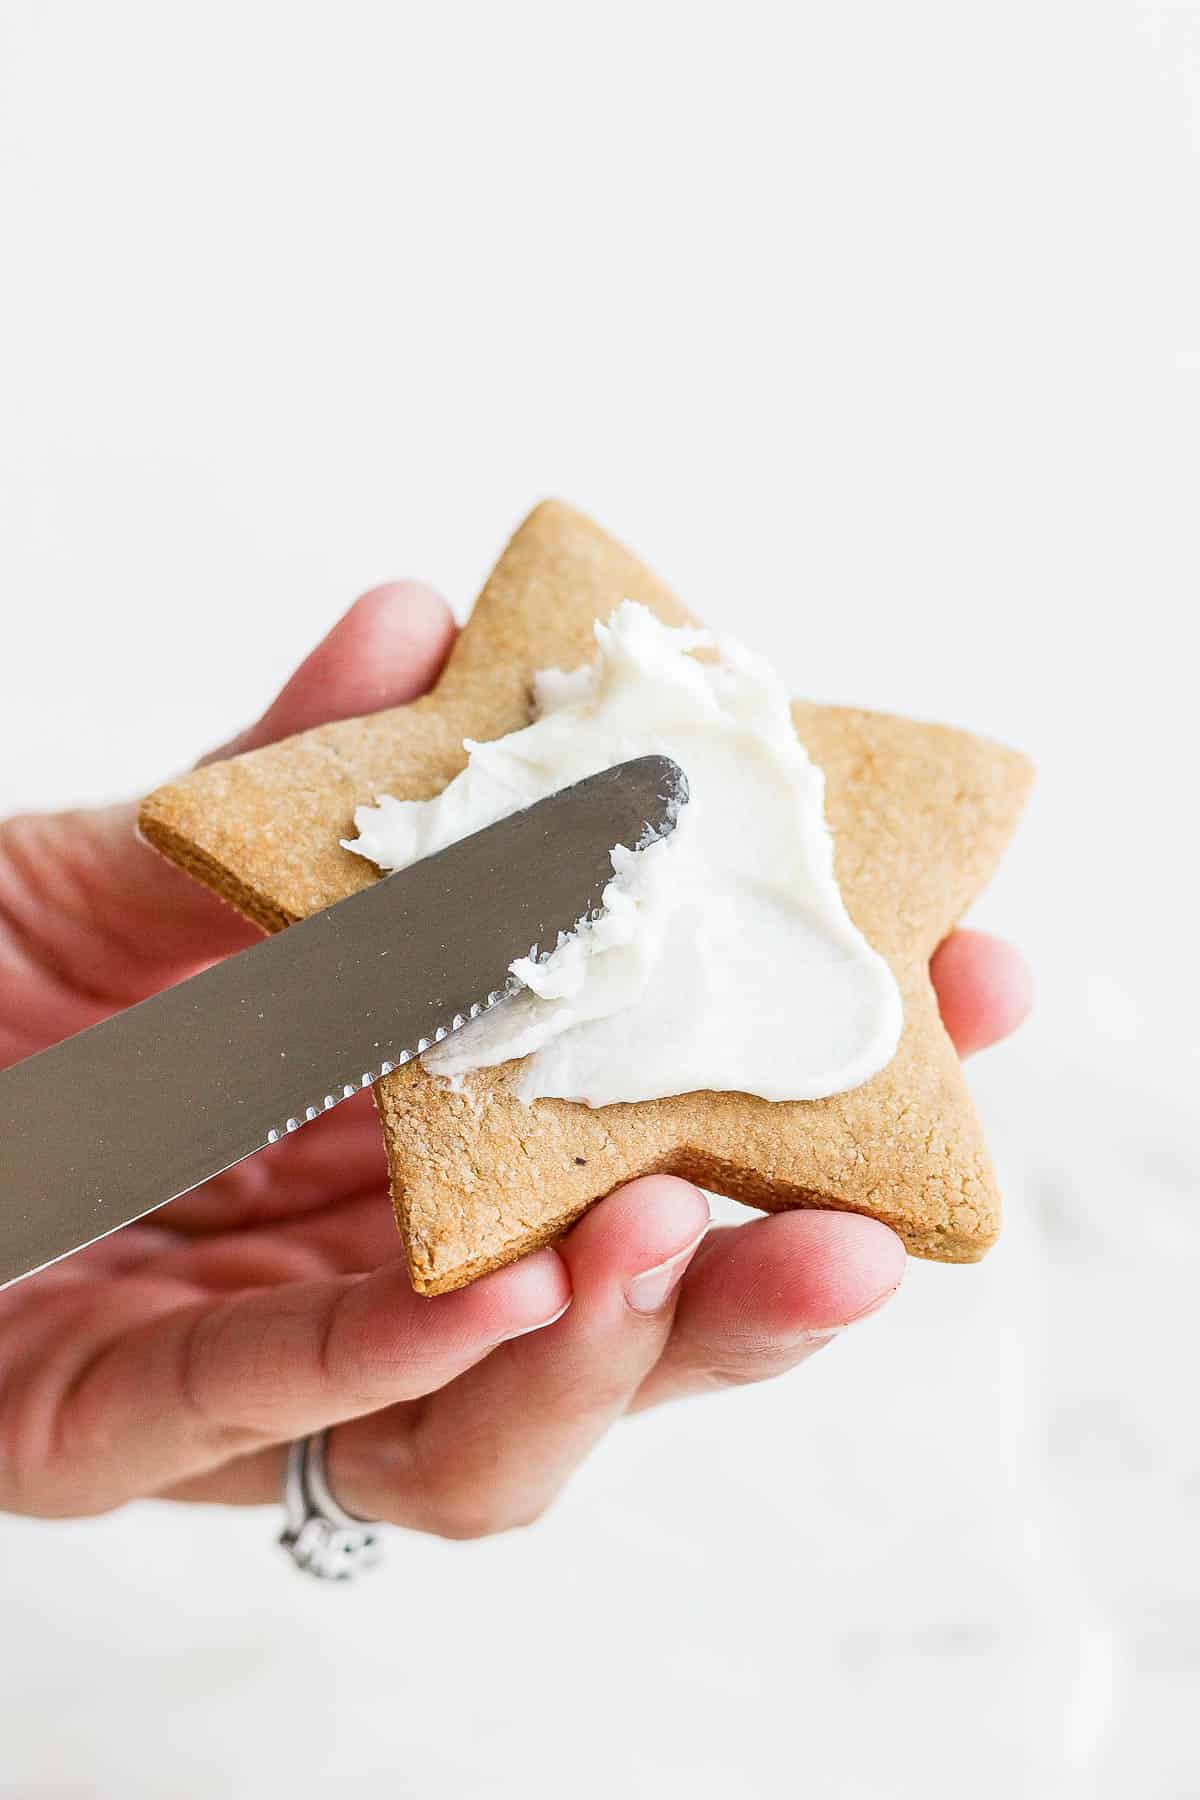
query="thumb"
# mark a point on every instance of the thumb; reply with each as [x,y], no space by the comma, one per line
[92,919]
[389,648]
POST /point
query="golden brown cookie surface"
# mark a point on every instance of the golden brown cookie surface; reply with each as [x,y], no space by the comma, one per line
[920,815]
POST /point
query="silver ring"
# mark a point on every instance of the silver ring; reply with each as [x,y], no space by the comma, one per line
[320,1536]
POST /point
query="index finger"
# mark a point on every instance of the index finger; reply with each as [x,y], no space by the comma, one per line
[129,1392]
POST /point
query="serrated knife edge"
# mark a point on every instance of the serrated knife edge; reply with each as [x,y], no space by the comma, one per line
[104,1127]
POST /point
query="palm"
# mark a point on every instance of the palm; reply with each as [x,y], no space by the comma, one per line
[181,1354]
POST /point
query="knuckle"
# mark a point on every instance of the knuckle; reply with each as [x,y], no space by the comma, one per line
[525,1517]
[466,1527]
[201,1354]
[467,1517]
[752,1362]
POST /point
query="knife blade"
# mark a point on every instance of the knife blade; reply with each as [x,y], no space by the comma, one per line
[104,1127]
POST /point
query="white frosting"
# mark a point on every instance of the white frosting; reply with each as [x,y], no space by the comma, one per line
[725,957]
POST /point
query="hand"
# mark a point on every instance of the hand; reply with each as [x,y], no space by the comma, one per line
[180,1356]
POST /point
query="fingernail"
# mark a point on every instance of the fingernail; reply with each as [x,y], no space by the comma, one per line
[652,1289]
[524,1330]
[823,1333]
[874,1306]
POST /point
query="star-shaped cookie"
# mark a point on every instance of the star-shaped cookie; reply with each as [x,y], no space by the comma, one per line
[920,816]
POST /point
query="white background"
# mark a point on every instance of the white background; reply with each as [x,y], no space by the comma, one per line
[876,329]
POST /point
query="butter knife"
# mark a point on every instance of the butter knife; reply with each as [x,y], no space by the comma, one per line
[108,1125]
